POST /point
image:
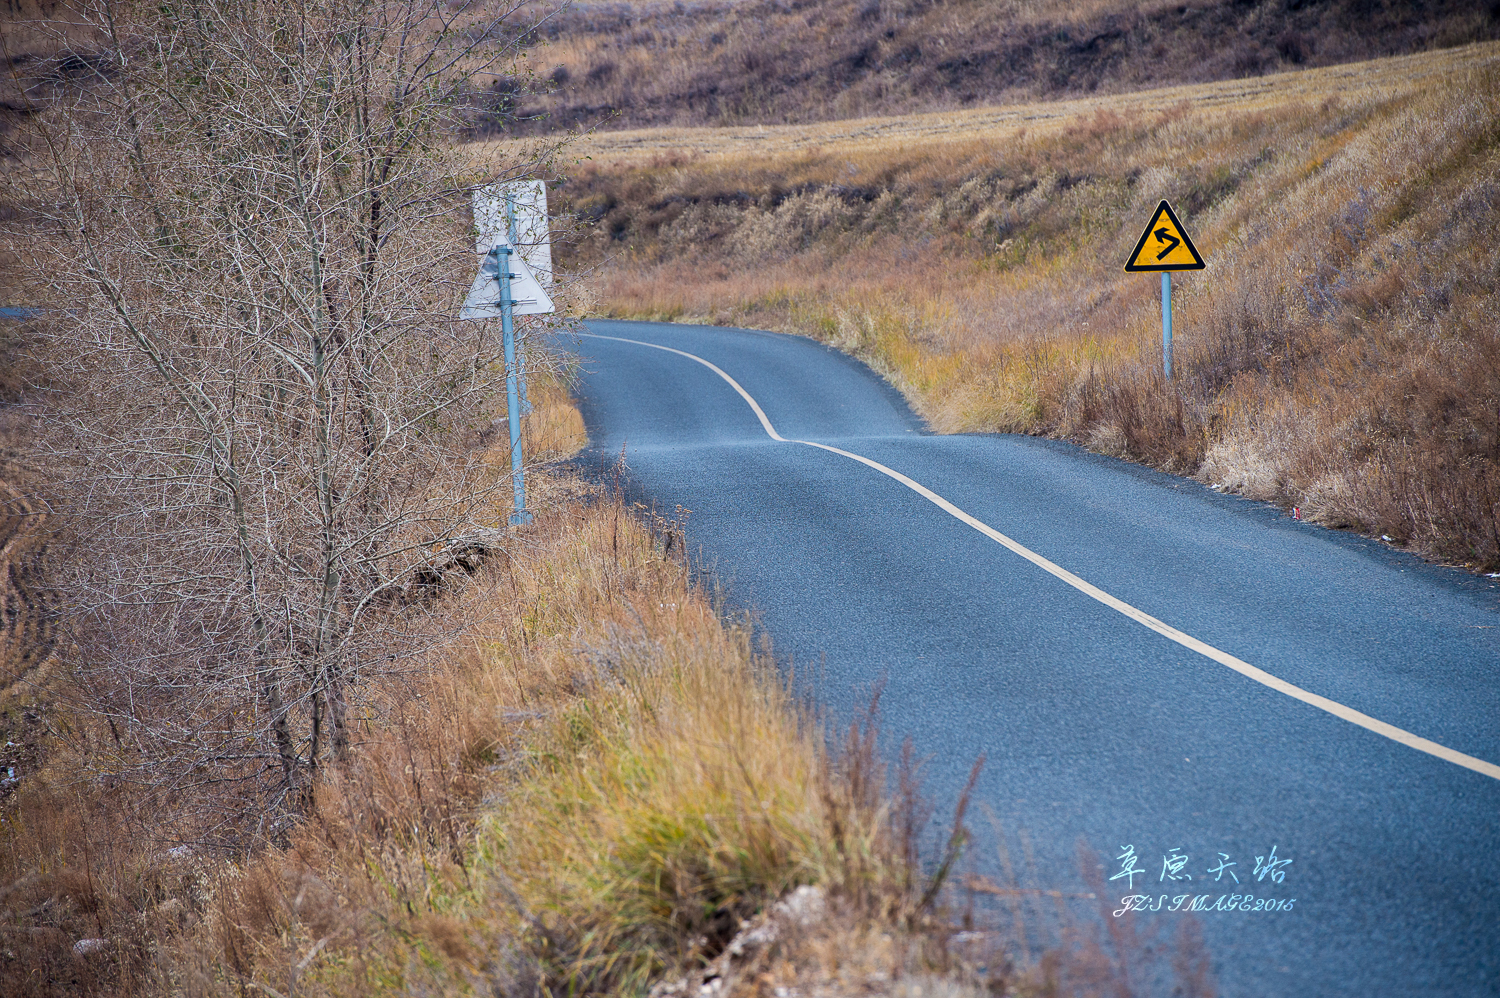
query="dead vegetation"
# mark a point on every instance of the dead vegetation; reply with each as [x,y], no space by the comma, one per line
[1339,354]
[264,431]
[732,62]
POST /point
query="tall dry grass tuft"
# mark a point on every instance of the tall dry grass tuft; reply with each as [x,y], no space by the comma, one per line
[678,799]
[1338,354]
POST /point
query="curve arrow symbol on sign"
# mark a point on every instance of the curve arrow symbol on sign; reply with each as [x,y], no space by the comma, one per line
[1163,235]
[1163,245]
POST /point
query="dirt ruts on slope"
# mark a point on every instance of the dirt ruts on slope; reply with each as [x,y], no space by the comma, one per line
[27,630]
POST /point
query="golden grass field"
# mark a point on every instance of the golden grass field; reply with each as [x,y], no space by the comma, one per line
[1339,353]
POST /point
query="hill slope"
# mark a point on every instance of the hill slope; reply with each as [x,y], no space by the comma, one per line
[725,62]
[1339,354]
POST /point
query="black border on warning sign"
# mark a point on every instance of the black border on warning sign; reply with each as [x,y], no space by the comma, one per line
[1139,268]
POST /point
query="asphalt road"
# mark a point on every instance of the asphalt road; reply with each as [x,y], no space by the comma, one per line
[1096,727]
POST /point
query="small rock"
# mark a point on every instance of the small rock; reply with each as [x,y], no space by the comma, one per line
[799,909]
[754,938]
[84,947]
[802,907]
[669,989]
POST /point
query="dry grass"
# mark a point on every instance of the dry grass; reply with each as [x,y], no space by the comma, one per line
[736,62]
[551,431]
[769,147]
[1339,353]
[597,783]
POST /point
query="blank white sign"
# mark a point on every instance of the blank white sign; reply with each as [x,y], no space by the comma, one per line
[533,241]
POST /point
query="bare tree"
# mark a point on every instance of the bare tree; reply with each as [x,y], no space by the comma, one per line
[259,246]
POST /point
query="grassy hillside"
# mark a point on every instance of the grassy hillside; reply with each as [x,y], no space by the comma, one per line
[726,62]
[1340,353]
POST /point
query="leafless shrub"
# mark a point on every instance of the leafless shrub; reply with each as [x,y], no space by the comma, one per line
[255,253]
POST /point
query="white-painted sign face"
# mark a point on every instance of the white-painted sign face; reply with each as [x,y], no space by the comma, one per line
[524,202]
[528,296]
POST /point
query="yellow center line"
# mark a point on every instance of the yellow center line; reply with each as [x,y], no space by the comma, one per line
[1114,603]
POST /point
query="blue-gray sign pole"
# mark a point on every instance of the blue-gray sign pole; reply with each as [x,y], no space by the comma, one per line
[1166,323]
[510,229]
[512,388]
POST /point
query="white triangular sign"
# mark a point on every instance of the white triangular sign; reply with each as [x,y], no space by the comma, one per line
[528,297]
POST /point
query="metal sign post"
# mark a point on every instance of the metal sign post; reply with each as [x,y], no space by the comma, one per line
[521,516]
[511,220]
[1165,246]
[510,230]
[1166,323]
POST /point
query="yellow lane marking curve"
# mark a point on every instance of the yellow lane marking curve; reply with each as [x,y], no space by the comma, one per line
[1139,616]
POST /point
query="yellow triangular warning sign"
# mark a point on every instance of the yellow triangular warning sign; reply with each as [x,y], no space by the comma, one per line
[1164,245]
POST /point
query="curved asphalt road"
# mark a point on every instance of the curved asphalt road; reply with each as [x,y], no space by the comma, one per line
[1096,727]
